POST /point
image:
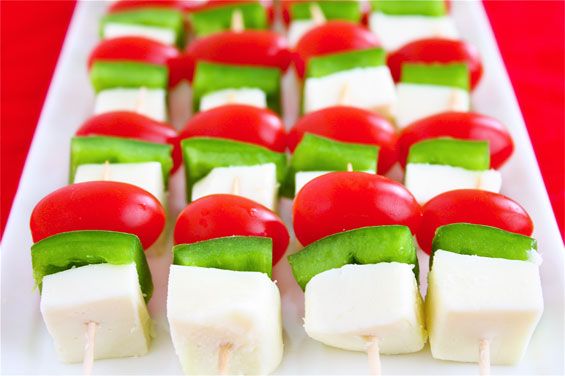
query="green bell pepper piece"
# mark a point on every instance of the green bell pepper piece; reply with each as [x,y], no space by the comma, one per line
[431,8]
[452,75]
[468,154]
[325,65]
[219,18]
[366,245]
[346,10]
[127,74]
[79,248]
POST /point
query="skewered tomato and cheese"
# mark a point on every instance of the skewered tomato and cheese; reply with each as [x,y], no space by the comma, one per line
[437,50]
[439,165]
[125,147]
[398,22]
[484,295]
[429,89]
[129,74]
[235,148]
[330,38]
[162,24]
[357,78]
[472,206]
[89,263]
[301,16]
[227,244]
[355,228]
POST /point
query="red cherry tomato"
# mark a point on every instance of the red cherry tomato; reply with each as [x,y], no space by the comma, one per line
[462,125]
[341,201]
[331,37]
[250,47]
[123,5]
[220,215]
[349,124]
[240,123]
[133,49]
[133,125]
[472,206]
[437,50]
[99,205]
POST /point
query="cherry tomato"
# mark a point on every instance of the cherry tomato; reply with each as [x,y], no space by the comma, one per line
[462,125]
[472,206]
[331,37]
[133,125]
[240,123]
[437,50]
[349,124]
[99,205]
[123,5]
[220,215]
[341,201]
[134,49]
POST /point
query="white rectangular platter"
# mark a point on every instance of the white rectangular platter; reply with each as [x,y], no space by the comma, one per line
[27,347]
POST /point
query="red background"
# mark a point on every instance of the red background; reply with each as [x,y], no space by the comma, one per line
[530,35]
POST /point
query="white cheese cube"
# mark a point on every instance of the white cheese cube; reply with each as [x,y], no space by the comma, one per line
[257,183]
[145,175]
[304,177]
[209,308]
[159,34]
[249,96]
[471,298]
[297,29]
[149,102]
[417,101]
[369,88]
[396,31]
[344,306]
[425,181]
[108,295]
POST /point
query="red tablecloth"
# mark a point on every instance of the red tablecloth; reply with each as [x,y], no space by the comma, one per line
[530,35]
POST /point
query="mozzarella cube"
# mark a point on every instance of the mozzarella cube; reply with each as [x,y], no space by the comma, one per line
[345,306]
[146,175]
[209,308]
[297,29]
[106,294]
[471,298]
[417,101]
[249,96]
[396,31]
[149,102]
[257,183]
[304,177]
[369,88]
[425,181]
[159,34]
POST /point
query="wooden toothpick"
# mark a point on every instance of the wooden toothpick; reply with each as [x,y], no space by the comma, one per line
[349,167]
[237,21]
[317,14]
[141,99]
[106,171]
[224,355]
[484,357]
[343,95]
[88,359]
[373,353]
[235,186]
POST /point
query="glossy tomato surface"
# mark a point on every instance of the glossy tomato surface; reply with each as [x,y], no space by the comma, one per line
[472,206]
[128,124]
[332,37]
[341,201]
[99,205]
[220,215]
[133,49]
[462,125]
[437,50]
[240,123]
[123,5]
[349,124]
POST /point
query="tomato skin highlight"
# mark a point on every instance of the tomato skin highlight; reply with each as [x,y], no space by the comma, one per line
[133,49]
[472,206]
[99,205]
[124,5]
[240,123]
[341,201]
[331,37]
[363,127]
[128,124]
[223,215]
[462,125]
[437,50]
